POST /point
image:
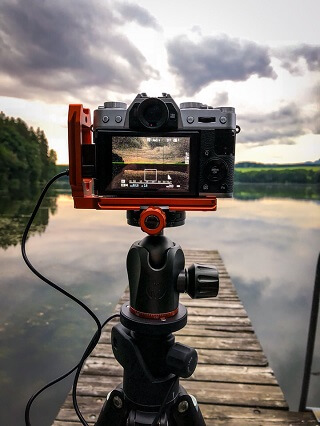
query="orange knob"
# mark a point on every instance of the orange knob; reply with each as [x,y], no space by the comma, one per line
[153,220]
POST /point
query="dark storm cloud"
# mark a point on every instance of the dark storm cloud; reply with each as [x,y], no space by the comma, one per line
[291,58]
[216,58]
[279,127]
[68,48]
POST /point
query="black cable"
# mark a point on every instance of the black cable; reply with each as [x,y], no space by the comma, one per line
[87,352]
[33,269]
[158,416]
[96,336]
[77,367]
[35,395]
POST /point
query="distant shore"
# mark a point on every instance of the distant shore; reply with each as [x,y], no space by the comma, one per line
[247,172]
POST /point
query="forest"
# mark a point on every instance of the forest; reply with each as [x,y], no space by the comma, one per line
[25,158]
[284,174]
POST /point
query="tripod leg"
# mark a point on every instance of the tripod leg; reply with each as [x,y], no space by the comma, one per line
[114,411]
[186,411]
[140,418]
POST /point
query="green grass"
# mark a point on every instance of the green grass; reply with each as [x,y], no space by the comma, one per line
[276,168]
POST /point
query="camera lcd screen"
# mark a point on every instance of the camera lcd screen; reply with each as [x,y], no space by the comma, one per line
[151,163]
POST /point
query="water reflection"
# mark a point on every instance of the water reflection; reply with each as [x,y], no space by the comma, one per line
[15,208]
[245,191]
[270,247]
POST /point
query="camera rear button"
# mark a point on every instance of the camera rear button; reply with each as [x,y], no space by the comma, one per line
[190,119]
[105,119]
[118,118]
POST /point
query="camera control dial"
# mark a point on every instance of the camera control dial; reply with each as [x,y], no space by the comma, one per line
[216,169]
[187,105]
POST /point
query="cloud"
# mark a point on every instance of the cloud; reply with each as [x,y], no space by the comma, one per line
[135,13]
[279,127]
[69,49]
[292,58]
[220,99]
[216,58]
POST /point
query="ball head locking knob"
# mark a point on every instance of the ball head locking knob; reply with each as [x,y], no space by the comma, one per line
[199,281]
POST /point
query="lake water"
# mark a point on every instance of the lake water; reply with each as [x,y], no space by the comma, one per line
[269,238]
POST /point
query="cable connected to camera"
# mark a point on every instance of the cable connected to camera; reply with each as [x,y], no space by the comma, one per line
[95,338]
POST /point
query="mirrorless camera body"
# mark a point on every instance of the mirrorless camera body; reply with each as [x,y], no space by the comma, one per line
[153,149]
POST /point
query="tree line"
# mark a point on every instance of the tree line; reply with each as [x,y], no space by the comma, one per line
[292,175]
[25,158]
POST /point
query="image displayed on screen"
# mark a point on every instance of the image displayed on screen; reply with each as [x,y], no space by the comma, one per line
[150,163]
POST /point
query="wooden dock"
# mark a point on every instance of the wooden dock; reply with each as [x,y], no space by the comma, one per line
[233,383]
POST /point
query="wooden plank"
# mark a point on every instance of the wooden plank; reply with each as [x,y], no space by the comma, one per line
[206,331]
[216,312]
[211,319]
[247,358]
[213,414]
[205,356]
[245,395]
[204,372]
[233,383]
[215,303]
[212,332]
[249,343]
[241,344]
[242,416]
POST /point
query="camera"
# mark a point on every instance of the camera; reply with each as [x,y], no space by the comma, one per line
[155,149]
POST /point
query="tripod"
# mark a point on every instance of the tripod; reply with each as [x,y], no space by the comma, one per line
[143,343]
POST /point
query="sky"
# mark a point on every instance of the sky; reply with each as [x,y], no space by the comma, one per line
[261,57]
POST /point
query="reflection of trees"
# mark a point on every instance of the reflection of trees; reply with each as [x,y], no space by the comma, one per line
[15,212]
